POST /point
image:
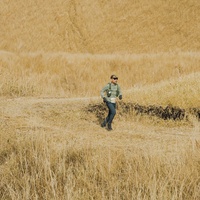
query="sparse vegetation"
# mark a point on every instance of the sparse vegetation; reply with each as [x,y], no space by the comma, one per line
[55,56]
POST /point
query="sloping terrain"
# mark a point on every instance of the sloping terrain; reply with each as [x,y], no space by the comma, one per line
[55,56]
[98,26]
[81,118]
[48,145]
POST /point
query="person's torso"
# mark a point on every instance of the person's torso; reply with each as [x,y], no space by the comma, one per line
[113,92]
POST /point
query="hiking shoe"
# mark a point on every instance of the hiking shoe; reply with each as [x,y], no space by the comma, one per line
[109,128]
[103,124]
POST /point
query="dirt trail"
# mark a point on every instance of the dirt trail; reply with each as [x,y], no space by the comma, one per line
[48,99]
[66,118]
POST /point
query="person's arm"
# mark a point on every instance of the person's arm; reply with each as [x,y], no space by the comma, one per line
[103,91]
[120,93]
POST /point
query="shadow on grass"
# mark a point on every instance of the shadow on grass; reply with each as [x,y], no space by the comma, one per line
[166,113]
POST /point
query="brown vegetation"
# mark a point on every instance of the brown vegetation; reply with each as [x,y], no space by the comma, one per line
[55,56]
[99,26]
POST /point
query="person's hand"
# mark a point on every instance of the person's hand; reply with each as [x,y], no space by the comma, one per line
[104,100]
[120,97]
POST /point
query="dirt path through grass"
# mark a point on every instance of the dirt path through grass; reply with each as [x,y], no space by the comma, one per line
[65,119]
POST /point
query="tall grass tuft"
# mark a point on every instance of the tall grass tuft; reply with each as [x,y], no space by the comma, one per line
[35,166]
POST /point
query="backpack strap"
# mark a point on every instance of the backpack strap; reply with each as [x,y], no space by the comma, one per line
[109,86]
[117,94]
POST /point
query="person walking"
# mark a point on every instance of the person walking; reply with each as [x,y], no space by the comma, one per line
[110,93]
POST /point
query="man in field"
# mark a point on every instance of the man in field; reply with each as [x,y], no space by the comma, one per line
[109,93]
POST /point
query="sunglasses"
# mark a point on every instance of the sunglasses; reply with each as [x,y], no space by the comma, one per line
[115,78]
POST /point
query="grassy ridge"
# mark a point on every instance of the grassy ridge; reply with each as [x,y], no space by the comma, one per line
[182,92]
[175,76]
[96,26]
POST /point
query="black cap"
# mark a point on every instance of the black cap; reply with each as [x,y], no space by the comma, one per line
[113,76]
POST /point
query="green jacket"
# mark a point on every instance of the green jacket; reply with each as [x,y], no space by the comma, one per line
[115,92]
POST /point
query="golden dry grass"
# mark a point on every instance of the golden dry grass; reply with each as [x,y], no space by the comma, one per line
[61,74]
[53,149]
[55,57]
[95,26]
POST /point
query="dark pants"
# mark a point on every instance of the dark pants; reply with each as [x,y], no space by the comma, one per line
[111,113]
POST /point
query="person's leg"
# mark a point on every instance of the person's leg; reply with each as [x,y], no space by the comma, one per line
[104,123]
[110,116]
[107,118]
[112,113]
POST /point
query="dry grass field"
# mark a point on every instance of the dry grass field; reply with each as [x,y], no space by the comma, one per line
[55,56]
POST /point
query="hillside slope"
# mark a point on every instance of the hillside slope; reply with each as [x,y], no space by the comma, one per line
[99,26]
